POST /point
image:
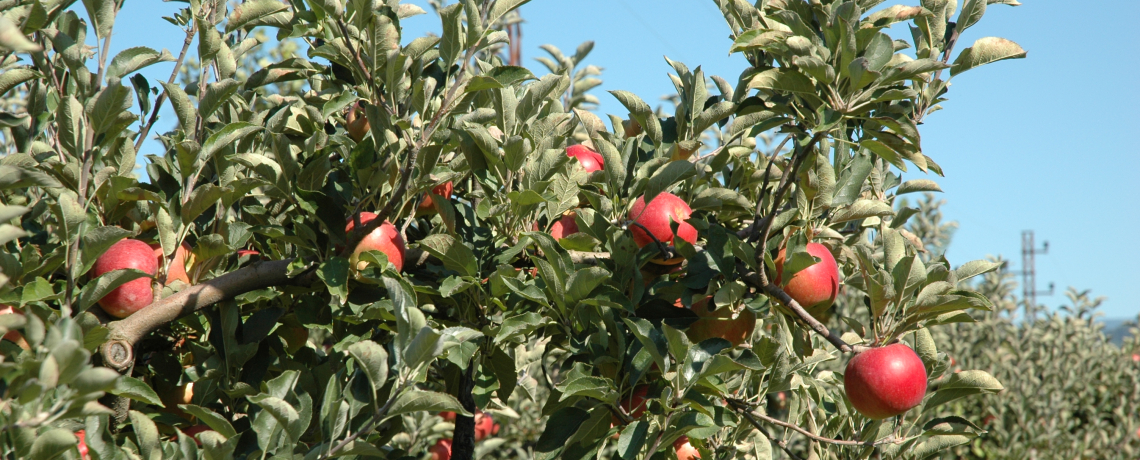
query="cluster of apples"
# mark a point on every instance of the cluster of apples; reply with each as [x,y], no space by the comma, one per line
[485,427]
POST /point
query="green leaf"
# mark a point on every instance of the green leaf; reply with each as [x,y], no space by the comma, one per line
[252,11]
[985,51]
[918,185]
[217,94]
[632,439]
[582,283]
[973,379]
[215,421]
[226,137]
[785,80]
[373,359]
[451,42]
[499,77]
[426,401]
[455,255]
[133,59]
[971,13]
[13,39]
[102,14]
[105,283]
[503,366]
[664,178]
[71,126]
[183,108]
[561,425]
[861,209]
[14,77]
[939,443]
[502,7]
[283,412]
[53,443]
[146,435]
[202,198]
[334,272]
[136,389]
[975,268]
[423,348]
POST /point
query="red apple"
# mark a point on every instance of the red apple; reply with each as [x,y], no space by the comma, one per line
[133,295]
[14,336]
[815,287]
[177,269]
[485,426]
[1135,356]
[427,206]
[685,451]
[590,160]
[656,218]
[635,405]
[384,238]
[295,337]
[886,381]
[441,450]
[448,416]
[247,252]
[720,323]
[356,122]
[82,446]
[564,227]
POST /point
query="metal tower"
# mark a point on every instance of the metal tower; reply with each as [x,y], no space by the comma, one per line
[1029,272]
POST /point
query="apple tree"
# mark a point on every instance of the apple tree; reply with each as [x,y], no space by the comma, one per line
[364,246]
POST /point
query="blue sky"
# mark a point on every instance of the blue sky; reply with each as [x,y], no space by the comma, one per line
[1037,144]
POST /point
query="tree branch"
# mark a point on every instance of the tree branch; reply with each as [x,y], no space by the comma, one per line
[760,281]
[367,426]
[744,409]
[118,351]
[145,129]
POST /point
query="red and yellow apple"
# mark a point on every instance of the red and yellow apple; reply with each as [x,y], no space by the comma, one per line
[384,238]
[177,269]
[685,450]
[656,217]
[427,206]
[720,322]
[632,127]
[14,336]
[564,226]
[885,381]
[441,450]
[133,295]
[814,287]
[356,122]
[590,160]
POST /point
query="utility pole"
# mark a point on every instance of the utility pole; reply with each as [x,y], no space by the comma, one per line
[1029,272]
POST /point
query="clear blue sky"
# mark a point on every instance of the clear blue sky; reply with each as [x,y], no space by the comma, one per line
[1040,143]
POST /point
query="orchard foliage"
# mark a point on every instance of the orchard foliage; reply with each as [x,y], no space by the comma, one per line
[294,352]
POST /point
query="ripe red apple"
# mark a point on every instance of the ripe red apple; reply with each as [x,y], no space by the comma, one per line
[635,405]
[177,269]
[247,252]
[720,323]
[1135,356]
[656,217]
[356,122]
[485,426]
[133,295]
[590,160]
[82,446]
[564,226]
[815,287]
[384,238]
[448,416]
[441,450]
[685,451]
[886,381]
[427,206]
[14,336]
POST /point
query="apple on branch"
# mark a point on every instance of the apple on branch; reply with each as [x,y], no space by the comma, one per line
[885,381]
[133,295]
[656,219]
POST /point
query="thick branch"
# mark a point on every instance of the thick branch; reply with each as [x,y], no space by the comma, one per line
[118,351]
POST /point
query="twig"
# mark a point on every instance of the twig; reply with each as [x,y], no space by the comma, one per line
[756,219]
[785,183]
[145,130]
[760,281]
[367,426]
[748,413]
